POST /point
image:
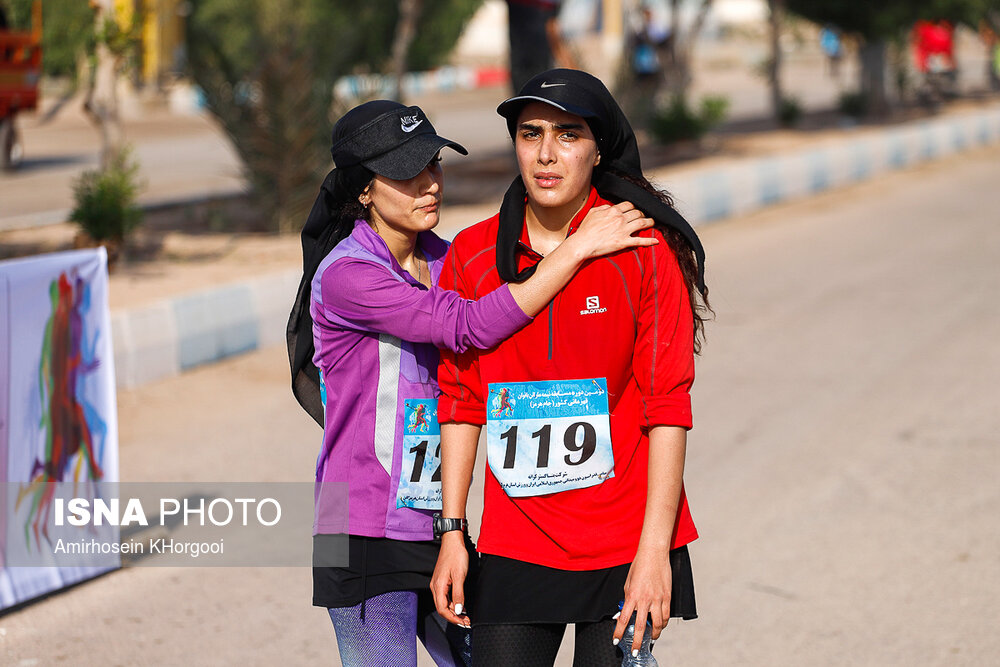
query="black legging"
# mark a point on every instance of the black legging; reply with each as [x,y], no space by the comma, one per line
[537,645]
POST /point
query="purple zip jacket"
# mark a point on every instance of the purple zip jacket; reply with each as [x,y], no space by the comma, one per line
[377,332]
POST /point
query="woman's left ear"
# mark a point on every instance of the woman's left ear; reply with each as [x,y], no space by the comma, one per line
[597,160]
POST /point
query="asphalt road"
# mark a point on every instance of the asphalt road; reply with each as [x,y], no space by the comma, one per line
[842,471]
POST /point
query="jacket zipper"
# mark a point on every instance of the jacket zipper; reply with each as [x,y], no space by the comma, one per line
[551,304]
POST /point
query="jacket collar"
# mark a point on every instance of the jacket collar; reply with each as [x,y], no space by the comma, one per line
[431,245]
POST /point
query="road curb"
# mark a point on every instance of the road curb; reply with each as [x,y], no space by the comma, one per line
[712,193]
[171,336]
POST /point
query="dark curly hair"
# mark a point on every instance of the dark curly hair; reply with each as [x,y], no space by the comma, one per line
[701,309]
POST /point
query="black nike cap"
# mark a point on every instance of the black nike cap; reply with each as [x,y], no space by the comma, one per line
[570,90]
[391,139]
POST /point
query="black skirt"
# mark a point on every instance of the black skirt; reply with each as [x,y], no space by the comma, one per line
[515,592]
[378,565]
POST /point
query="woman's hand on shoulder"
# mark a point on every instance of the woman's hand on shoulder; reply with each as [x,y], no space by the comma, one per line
[607,229]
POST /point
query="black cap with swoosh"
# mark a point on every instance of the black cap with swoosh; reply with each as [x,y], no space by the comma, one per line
[391,139]
[563,89]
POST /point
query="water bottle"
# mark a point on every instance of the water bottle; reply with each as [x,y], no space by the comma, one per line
[645,657]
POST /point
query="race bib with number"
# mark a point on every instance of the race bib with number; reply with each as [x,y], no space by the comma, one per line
[546,437]
[420,477]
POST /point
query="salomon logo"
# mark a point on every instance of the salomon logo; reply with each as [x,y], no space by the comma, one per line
[593,306]
[409,123]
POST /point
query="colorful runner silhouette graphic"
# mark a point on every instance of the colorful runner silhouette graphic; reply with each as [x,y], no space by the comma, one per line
[70,424]
[505,408]
[420,418]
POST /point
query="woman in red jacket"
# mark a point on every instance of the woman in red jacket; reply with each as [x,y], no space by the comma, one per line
[586,408]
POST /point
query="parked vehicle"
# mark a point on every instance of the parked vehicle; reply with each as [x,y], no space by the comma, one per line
[20,71]
[934,55]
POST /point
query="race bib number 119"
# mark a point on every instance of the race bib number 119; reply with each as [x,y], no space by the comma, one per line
[546,437]
[420,476]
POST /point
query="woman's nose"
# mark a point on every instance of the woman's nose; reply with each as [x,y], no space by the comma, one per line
[546,149]
[429,180]
[433,179]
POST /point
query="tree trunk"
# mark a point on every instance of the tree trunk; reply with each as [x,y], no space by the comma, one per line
[406,30]
[774,66]
[675,23]
[674,72]
[101,102]
[872,55]
[699,22]
[992,18]
[677,70]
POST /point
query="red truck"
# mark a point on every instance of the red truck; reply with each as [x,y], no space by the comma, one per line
[20,71]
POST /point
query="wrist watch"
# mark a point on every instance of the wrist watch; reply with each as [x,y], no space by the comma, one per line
[443,525]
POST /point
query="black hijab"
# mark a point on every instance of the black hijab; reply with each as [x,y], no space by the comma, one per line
[324,229]
[584,95]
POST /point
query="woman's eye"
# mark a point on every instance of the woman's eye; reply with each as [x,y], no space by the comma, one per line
[529,134]
[568,136]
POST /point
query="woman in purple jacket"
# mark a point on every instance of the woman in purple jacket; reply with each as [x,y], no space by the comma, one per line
[363,342]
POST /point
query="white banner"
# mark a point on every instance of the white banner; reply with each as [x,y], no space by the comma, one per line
[58,412]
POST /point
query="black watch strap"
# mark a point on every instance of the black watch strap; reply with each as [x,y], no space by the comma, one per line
[443,525]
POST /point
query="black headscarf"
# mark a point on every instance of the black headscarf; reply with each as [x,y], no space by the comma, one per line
[324,229]
[585,95]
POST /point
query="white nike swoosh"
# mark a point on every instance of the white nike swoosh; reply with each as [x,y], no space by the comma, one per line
[411,128]
[551,85]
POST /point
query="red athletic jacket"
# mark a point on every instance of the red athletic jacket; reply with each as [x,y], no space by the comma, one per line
[625,318]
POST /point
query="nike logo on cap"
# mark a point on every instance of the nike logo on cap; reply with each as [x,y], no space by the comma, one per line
[409,123]
[546,84]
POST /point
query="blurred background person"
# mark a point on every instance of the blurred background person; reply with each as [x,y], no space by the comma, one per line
[536,43]
[992,45]
[648,47]
[829,42]
[934,55]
